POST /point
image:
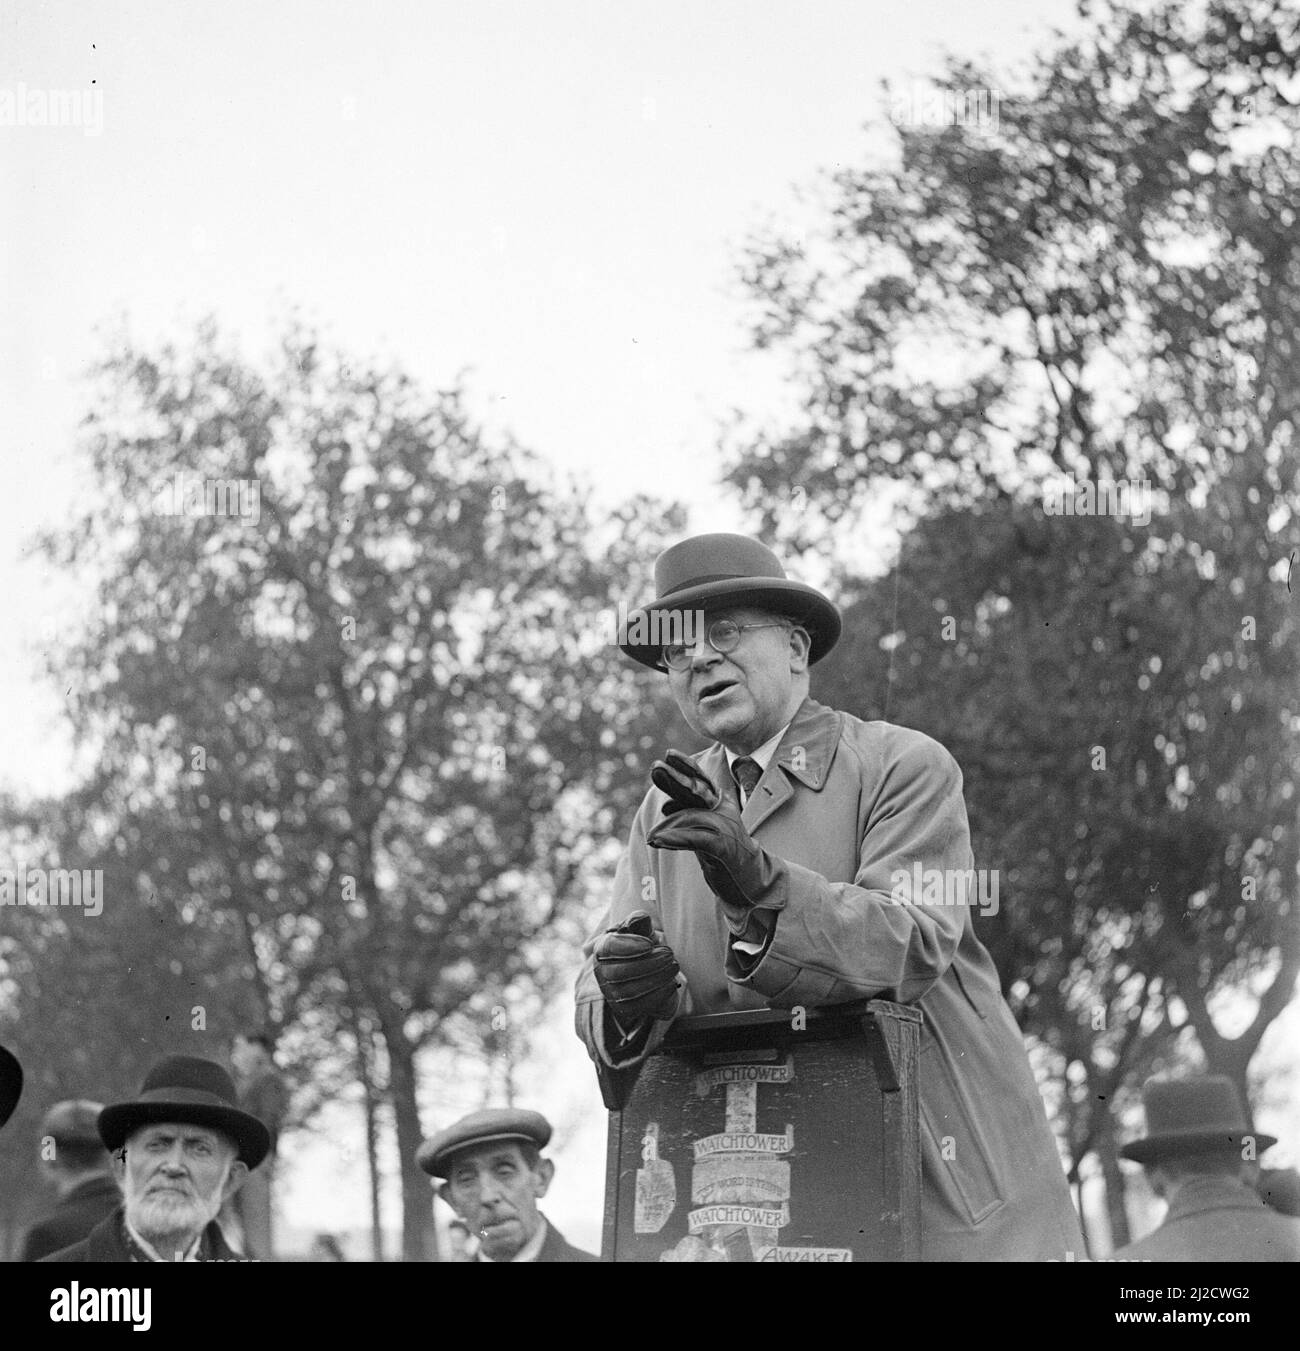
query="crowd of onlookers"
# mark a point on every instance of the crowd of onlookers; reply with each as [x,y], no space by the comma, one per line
[184,1172]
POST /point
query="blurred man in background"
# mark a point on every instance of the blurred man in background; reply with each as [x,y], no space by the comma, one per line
[1199,1154]
[262,1094]
[76,1164]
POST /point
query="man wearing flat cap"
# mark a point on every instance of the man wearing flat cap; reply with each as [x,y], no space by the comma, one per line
[180,1149]
[763,873]
[78,1167]
[493,1177]
[1199,1154]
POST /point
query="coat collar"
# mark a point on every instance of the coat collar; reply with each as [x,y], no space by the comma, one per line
[108,1242]
[805,753]
[1212,1193]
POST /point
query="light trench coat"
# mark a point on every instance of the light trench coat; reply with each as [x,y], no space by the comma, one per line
[850,808]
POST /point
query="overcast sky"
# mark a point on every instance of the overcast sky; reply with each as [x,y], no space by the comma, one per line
[550,195]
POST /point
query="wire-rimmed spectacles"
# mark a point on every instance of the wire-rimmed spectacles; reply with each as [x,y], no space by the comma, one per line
[723,635]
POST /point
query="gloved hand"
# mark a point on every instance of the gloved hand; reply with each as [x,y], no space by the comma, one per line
[738,870]
[686,784]
[636,974]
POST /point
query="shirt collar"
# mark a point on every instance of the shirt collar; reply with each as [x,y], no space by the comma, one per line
[763,755]
[530,1250]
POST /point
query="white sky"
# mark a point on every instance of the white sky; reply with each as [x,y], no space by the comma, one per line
[551,196]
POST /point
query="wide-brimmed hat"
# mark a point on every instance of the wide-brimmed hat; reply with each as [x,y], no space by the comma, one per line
[1187,1116]
[482,1128]
[11,1084]
[713,571]
[193,1091]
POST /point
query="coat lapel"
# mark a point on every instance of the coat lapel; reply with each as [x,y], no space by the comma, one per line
[107,1240]
[805,754]
[773,791]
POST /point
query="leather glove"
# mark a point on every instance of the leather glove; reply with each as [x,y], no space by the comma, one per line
[637,975]
[738,870]
[686,784]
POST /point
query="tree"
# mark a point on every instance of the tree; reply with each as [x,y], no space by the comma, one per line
[1103,288]
[360,660]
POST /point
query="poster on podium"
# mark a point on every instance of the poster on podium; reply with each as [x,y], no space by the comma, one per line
[770,1136]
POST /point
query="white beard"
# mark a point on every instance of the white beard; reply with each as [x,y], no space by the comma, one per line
[165,1214]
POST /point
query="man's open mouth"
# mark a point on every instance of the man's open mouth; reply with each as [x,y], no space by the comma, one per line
[715,689]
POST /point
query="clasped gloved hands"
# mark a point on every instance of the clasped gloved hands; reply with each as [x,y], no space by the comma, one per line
[699,818]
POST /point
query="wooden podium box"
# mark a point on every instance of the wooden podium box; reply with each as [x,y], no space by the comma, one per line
[770,1136]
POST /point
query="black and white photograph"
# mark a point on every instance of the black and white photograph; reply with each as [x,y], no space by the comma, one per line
[650,633]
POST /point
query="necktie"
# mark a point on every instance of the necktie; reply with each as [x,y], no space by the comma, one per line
[747,773]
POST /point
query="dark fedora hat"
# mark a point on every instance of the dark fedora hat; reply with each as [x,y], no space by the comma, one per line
[482,1128]
[11,1084]
[1188,1116]
[193,1091]
[714,571]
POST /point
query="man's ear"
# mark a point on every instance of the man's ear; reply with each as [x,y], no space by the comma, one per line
[234,1179]
[543,1173]
[800,647]
[1159,1180]
[119,1164]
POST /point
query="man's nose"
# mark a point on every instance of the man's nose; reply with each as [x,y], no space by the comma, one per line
[174,1160]
[490,1191]
[704,654]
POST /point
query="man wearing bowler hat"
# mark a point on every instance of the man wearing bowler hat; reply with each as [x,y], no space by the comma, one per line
[493,1177]
[180,1149]
[77,1166]
[1199,1154]
[764,872]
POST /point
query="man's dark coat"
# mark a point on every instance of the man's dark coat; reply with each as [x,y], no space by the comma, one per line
[1218,1219]
[557,1249]
[108,1242]
[74,1215]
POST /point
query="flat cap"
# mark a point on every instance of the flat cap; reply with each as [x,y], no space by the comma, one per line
[482,1128]
[74,1122]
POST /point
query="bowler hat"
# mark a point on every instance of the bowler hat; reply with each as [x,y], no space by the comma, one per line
[482,1128]
[193,1091]
[713,571]
[1188,1116]
[74,1122]
[11,1084]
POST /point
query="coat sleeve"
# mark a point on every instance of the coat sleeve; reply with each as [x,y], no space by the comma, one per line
[837,941]
[636,887]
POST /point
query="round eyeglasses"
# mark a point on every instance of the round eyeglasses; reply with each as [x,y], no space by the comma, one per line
[723,635]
